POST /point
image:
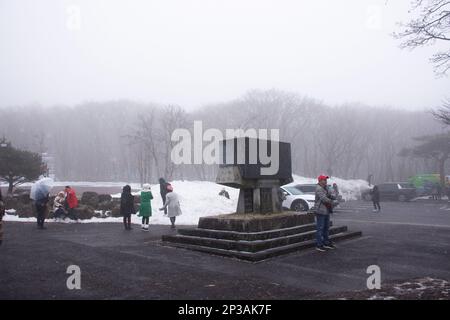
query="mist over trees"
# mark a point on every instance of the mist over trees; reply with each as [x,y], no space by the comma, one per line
[131,141]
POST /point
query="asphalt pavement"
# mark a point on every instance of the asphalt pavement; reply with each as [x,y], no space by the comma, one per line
[406,240]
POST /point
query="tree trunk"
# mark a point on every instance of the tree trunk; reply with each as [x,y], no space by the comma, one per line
[10,187]
[442,170]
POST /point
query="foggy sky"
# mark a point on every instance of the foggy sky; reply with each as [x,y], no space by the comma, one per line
[195,52]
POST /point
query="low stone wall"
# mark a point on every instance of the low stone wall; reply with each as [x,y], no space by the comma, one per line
[90,205]
[255,222]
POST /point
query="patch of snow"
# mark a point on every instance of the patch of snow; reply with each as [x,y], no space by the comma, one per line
[15,218]
[198,199]
[349,189]
[10,212]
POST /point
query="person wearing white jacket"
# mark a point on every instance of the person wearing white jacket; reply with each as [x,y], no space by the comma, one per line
[58,205]
[172,205]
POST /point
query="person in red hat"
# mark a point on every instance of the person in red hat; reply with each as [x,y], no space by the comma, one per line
[323,208]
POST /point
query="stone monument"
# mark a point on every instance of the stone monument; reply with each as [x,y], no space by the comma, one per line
[259,192]
[259,229]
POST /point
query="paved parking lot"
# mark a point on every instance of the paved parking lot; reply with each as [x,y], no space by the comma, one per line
[406,240]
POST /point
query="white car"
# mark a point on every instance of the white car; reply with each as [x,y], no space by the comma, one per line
[296,200]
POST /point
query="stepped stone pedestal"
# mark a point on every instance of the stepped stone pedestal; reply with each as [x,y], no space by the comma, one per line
[259,229]
[253,237]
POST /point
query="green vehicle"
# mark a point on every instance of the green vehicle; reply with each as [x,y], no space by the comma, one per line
[424,182]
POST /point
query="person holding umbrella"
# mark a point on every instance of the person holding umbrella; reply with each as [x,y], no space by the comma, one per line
[40,194]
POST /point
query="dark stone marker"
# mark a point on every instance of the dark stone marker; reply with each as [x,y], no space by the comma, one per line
[242,168]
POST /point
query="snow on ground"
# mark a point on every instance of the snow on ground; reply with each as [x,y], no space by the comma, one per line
[349,189]
[426,288]
[197,198]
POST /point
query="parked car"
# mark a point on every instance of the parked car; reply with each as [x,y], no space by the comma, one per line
[296,200]
[397,191]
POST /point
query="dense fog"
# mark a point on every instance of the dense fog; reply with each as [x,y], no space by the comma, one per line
[130,141]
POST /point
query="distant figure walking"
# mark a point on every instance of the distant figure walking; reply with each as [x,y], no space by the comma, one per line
[335,191]
[145,210]
[434,192]
[163,184]
[127,206]
[71,202]
[439,191]
[172,205]
[2,213]
[375,193]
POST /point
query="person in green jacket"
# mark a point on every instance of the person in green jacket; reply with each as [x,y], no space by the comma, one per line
[145,211]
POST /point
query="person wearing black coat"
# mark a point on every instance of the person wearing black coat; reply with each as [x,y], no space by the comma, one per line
[127,206]
[163,184]
[41,210]
[376,199]
[2,213]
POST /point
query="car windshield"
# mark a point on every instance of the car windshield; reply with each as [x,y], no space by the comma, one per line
[406,185]
[306,189]
[294,191]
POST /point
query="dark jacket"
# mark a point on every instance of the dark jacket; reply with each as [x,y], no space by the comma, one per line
[2,206]
[127,202]
[375,194]
[42,202]
[163,187]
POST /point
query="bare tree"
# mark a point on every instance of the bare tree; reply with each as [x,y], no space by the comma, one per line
[431,26]
[443,114]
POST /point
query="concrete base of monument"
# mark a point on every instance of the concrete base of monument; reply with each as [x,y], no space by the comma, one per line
[253,237]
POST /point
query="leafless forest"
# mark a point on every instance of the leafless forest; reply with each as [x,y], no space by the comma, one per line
[131,141]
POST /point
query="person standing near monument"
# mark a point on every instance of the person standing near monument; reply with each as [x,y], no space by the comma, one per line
[324,208]
[145,210]
[172,206]
[163,185]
